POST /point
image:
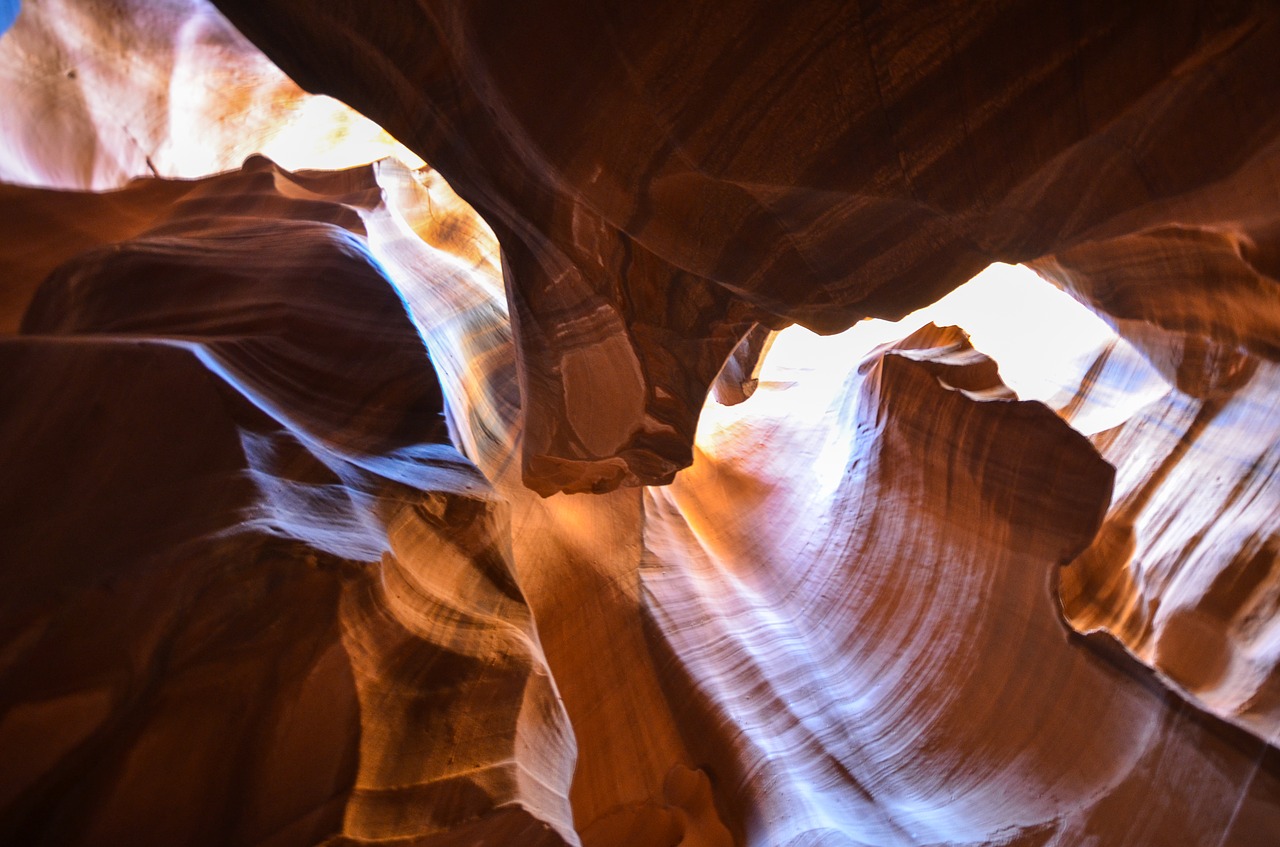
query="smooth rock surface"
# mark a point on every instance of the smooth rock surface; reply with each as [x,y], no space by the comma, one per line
[661,176]
[96,92]
[871,652]
[252,592]
[281,554]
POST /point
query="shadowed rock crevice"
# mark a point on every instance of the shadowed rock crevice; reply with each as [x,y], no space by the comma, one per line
[293,598]
[287,557]
[816,163]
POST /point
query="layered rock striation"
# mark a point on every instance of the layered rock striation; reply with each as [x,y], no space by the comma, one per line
[661,176]
[253,593]
[285,557]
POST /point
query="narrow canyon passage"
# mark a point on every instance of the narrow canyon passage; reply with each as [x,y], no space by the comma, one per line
[616,425]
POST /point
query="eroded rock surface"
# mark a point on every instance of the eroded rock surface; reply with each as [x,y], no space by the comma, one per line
[252,592]
[659,175]
[279,561]
[1184,570]
[871,654]
[96,92]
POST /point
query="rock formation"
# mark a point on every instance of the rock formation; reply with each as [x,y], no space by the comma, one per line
[659,175]
[253,594]
[286,556]
[96,93]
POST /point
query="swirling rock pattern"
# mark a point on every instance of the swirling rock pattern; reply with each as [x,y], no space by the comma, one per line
[279,561]
[1184,571]
[284,609]
[871,654]
[660,176]
[1206,339]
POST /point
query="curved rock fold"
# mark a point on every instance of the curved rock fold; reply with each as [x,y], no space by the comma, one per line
[357,507]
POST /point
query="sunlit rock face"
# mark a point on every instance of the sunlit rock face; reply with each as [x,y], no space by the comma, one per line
[252,594]
[871,653]
[1184,569]
[279,566]
[97,92]
[1202,305]
[660,176]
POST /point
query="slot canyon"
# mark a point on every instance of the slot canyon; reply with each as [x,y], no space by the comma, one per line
[446,423]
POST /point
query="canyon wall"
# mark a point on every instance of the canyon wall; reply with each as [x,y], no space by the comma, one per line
[346,505]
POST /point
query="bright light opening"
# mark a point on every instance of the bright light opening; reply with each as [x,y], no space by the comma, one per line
[1038,334]
[1043,340]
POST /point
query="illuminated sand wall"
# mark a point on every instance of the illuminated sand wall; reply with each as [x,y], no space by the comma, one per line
[285,425]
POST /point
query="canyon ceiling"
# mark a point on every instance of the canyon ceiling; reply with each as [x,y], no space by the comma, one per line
[411,431]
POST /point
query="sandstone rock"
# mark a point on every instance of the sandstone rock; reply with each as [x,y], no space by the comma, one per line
[283,557]
[1183,572]
[662,176]
[252,593]
[870,653]
[96,92]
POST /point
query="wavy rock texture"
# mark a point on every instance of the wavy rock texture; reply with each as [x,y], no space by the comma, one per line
[870,653]
[252,594]
[660,176]
[279,564]
[1205,338]
[99,91]
[577,558]
[1184,569]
